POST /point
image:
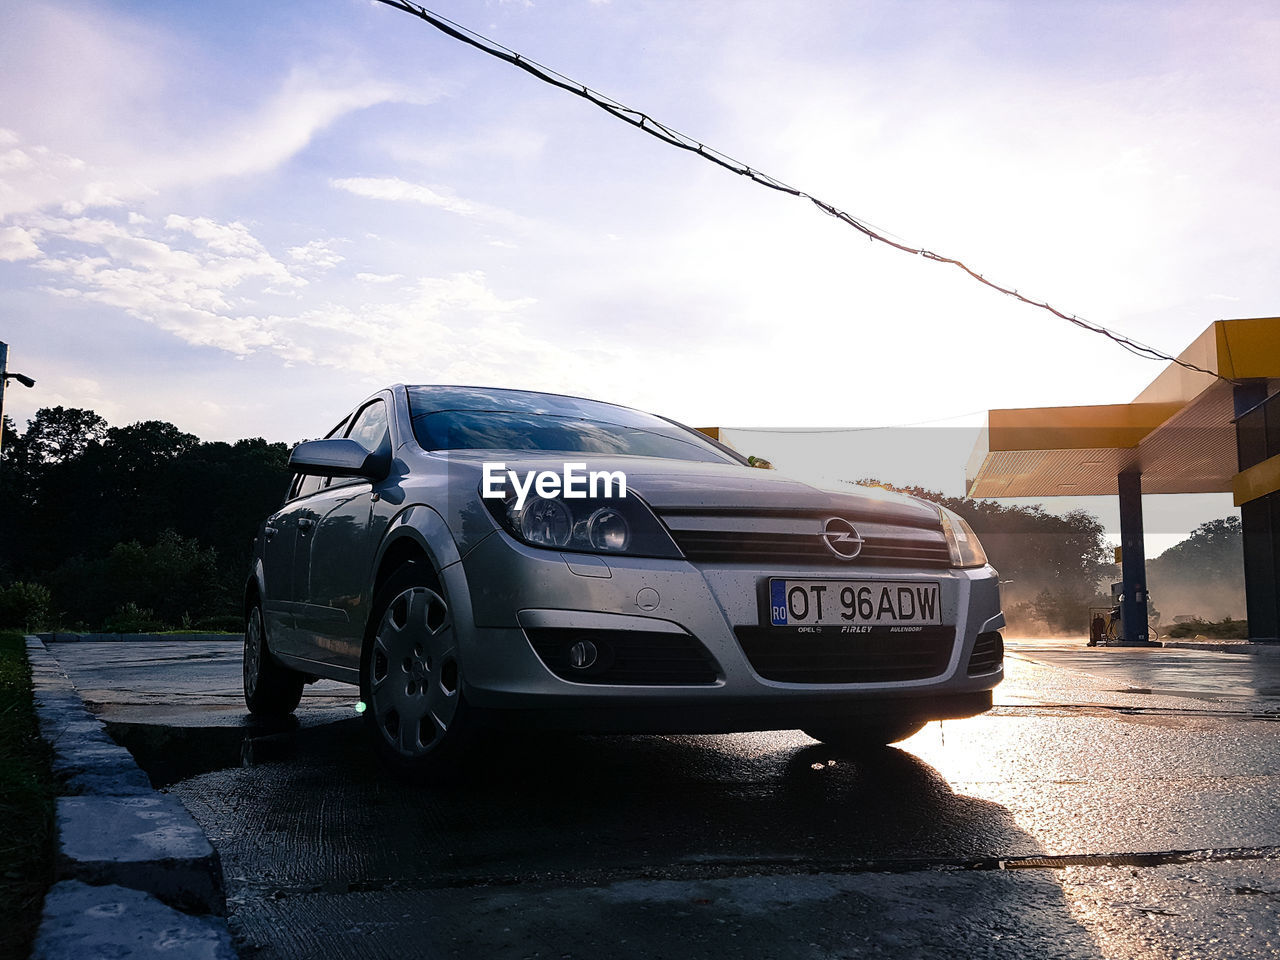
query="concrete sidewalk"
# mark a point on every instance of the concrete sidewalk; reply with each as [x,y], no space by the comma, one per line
[136,876]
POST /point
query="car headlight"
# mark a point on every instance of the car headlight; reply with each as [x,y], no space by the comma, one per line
[546,523]
[624,526]
[966,551]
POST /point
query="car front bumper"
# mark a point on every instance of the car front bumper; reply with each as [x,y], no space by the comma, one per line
[505,593]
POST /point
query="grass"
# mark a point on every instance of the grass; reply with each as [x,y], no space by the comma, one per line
[27,789]
[1226,629]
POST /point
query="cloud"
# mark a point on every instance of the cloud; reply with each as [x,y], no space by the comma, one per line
[451,329]
[316,253]
[35,176]
[214,284]
[17,244]
[514,140]
[231,239]
[189,280]
[393,188]
[280,127]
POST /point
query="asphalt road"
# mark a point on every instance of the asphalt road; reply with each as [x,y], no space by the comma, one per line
[1092,814]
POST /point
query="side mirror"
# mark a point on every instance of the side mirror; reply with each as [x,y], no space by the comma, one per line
[338,458]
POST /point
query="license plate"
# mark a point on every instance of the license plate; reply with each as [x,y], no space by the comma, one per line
[846,603]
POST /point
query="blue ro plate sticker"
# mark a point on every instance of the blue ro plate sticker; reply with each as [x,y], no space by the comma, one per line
[778,602]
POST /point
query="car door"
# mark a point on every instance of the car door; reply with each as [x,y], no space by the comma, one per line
[279,597]
[335,553]
[285,593]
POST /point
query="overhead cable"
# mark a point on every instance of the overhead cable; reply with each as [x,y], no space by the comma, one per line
[666,134]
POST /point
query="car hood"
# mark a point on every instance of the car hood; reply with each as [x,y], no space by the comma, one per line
[682,486]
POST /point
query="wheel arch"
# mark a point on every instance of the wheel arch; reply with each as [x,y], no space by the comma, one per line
[418,534]
[252,588]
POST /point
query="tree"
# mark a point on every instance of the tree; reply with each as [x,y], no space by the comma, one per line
[59,434]
[144,514]
[123,480]
[1050,566]
[10,437]
[1213,550]
[237,486]
[142,448]
[1203,576]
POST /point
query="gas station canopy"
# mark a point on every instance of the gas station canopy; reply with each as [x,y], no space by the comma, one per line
[1179,433]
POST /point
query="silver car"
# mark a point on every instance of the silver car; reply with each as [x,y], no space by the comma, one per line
[478,558]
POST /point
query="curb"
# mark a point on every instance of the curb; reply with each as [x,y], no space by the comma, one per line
[134,637]
[129,859]
[111,921]
[1244,647]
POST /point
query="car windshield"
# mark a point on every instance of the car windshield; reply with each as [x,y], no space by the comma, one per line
[462,418]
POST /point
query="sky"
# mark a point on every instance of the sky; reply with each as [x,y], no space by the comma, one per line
[244,217]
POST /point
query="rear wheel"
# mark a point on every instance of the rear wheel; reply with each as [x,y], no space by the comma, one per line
[410,678]
[867,734]
[270,690]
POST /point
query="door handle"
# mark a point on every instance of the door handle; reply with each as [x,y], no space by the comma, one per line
[269,532]
[306,523]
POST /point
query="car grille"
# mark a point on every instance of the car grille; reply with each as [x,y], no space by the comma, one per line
[796,539]
[793,657]
[988,654]
[626,656]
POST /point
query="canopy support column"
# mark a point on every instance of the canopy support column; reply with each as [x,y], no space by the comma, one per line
[1133,561]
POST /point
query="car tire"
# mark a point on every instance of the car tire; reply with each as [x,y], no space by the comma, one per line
[867,735]
[410,678]
[270,689]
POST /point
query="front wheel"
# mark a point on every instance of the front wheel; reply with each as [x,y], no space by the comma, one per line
[270,690]
[867,735]
[410,678]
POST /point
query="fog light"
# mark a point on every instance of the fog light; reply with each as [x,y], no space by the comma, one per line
[583,654]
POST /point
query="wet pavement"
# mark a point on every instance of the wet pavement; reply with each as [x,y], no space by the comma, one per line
[1236,677]
[1112,805]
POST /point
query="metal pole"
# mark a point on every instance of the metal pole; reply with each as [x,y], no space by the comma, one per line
[4,359]
[1258,517]
[1133,561]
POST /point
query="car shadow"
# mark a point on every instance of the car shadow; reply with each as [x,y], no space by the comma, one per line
[308,812]
[539,798]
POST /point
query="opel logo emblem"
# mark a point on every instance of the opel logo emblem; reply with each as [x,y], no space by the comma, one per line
[841,538]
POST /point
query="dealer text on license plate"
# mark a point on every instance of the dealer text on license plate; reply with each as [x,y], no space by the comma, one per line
[843,603]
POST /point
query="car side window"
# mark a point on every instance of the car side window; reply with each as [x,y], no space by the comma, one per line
[368,428]
[303,484]
[310,484]
[370,425]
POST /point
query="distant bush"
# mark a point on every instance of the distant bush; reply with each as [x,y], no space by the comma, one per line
[25,606]
[1225,629]
[131,618]
[227,624]
[175,580]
